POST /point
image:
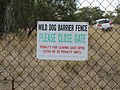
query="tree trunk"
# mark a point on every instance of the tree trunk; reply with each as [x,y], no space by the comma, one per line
[8,17]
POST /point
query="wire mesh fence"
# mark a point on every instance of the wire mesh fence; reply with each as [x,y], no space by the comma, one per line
[21,70]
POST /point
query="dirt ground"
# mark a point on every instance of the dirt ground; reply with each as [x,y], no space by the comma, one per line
[100,72]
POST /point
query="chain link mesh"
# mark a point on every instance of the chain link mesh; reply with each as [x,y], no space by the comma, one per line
[20,70]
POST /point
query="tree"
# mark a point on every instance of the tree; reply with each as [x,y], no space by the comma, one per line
[109,15]
[8,15]
[2,13]
[65,9]
[28,12]
[89,14]
[21,16]
[117,19]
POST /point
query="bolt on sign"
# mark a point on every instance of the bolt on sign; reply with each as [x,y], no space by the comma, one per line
[62,40]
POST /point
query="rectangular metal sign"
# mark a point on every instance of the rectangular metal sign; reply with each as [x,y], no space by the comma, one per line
[62,40]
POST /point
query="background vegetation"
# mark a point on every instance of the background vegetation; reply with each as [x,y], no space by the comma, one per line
[22,15]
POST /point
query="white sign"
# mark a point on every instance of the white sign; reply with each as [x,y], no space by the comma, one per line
[62,40]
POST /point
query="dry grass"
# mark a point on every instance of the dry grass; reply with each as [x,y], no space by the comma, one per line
[100,71]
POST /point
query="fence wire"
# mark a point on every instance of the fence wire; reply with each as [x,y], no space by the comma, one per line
[20,70]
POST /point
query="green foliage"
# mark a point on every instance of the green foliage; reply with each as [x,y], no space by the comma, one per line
[2,11]
[28,12]
[89,14]
[117,19]
[65,10]
[109,15]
